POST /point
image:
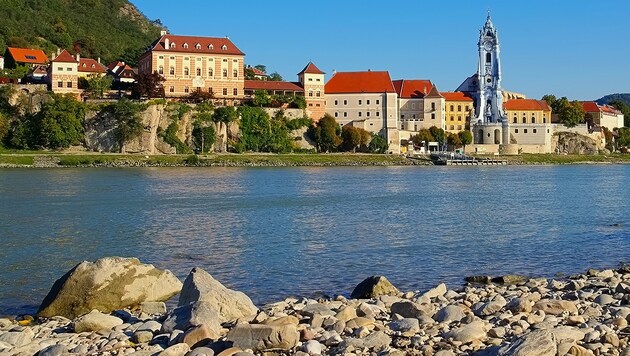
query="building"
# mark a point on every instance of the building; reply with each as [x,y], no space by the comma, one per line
[458,111]
[602,115]
[122,73]
[14,57]
[530,124]
[190,63]
[63,74]
[312,80]
[90,67]
[419,105]
[367,100]
[258,74]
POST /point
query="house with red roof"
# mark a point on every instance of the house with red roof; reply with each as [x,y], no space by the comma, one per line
[602,115]
[63,74]
[123,74]
[90,67]
[459,108]
[420,105]
[14,57]
[258,74]
[193,63]
[367,100]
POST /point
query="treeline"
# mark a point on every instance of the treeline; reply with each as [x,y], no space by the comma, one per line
[330,137]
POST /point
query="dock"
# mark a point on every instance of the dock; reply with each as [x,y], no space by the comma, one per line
[452,159]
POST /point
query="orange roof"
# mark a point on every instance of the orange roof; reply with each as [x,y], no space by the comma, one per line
[590,106]
[196,44]
[311,69]
[272,85]
[456,96]
[91,65]
[23,55]
[409,89]
[526,104]
[360,82]
[257,71]
[609,109]
[65,57]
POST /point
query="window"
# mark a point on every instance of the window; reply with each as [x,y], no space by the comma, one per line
[171,89]
[345,102]
[467,108]
[515,120]
[185,45]
[360,101]
[524,120]
[69,84]
[199,72]
[210,90]
[459,108]
[210,47]
[378,113]
[235,61]
[459,118]
[336,102]
[533,120]
[413,105]
[432,116]
[488,58]
[452,107]
[544,120]
[378,102]
[414,116]
[345,114]
[452,127]
[452,118]
[318,94]
[360,114]
[210,72]
[310,79]
[336,114]
[198,46]
[515,130]
[235,91]
[60,69]
[224,47]
[225,73]
[171,70]
[402,117]
[367,114]
[319,80]
[59,84]
[534,130]
[432,106]
[186,71]
[172,58]
[524,130]
[310,93]
[173,45]
[161,70]
[367,102]
[186,89]
[161,57]
[225,61]
[235,73]
[224,91]
[69,69]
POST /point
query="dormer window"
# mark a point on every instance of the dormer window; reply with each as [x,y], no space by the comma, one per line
[173,45]
[224,48]
[198,46]
[93,66]
[210,47]
[185,45]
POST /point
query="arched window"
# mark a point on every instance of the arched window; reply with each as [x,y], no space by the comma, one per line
[171,70]
[488,58]
[199,72]
[198,46]
[515,121]
[186,71]
[524,120]
[210,73]
[235,73]
[544,120]
[224,48]
[161,70]
[533,120]
[452,108]
[318,94]
[210,47]
[459,108]
[173,45]
[185,45]
[225,73]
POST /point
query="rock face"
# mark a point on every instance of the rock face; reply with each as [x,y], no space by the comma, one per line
[108,284]
[264,337]
[373,287]
[229,304]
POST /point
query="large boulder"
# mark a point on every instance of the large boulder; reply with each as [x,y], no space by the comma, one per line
[258,337]
[193,314]
[537,343]
[109,284]
[230,304]
[373,287]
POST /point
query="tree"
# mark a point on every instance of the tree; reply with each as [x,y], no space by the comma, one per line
[224,114]
[200,96]
[261,98]
[351,138]
[97,85]
[149,86]
[625,110]
[423,138]
[325,133]
[465,137]
[624,137]
[5,125]
[204,134]
[275,77]
[572,113]
[16,73]
[453,140]
[261,67]
[438,134]
[378,144]
[60,123]
[298,102]
[551,100]
[128,121]
[249,74]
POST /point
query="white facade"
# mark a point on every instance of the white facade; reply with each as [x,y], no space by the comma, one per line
[489,96]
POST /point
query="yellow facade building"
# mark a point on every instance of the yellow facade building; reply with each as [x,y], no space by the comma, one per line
[459,109]
[527,111]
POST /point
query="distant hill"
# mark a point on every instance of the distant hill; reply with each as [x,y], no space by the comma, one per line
[110,29]
[608,98]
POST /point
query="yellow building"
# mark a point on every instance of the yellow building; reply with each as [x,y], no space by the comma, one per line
[527,111]
[89,67]
[459,109]
[190,64]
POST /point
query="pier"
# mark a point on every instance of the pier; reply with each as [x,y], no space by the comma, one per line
[453,159]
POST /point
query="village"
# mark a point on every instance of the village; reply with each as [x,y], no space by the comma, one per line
[214,69]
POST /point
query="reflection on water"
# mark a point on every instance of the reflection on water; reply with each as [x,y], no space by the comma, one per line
[278,232]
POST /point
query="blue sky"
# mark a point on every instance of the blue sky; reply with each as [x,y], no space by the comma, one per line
[577,49]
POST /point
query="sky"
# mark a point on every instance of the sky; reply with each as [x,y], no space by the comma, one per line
[573,48]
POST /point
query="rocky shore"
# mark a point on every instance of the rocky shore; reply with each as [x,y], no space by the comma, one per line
[115,306]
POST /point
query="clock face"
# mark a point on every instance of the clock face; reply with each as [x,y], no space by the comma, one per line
[487,45]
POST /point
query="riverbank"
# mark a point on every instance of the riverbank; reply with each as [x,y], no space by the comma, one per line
[584,314]
[35,159]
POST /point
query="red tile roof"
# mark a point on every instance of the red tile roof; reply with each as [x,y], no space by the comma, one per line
[434,93]
[311,69]
[360,82]
[409,89]
[65,57]
[526,104]
[258,71]
[456,96]
[207,45]
[590,106]
[272,85]
[90,65]
[610,109]
[23,55]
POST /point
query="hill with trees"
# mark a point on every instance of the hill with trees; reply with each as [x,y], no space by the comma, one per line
[109,29]
[625,97]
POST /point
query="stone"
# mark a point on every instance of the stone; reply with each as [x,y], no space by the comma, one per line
[536,343]
[259,337]
[288,319]
[408,309]
[229,304]
[108,284]
[509,279]
[54,350]
[230,351]
[176,350]
[95,321]
[316,309]
[199,336]
[201,351]
[141,337]
[605,299]
[359,322]
[376,341]
[469,332]
[478,279]
[449,313]
[373,287]
[407,326]
[438,291]
[491,307]
[556,307]
[346,314]
[153,308]
[561,333]
[312,347]
[194,314]
[151,325]
[519,305]
[18,338]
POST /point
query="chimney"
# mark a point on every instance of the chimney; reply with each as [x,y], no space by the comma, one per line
[167,44]
[99,60]
[163,33]
[58,51]
[78,57]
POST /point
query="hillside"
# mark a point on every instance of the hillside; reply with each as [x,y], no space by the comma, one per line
[608,98]
[110,29]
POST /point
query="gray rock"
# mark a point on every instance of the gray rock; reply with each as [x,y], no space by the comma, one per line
[567,333]
[175,350]
[258,337]
[194,314]
[153,308]
[478,279]
[537,343]
[491,307]
[5,323]
[376,341]
[605,299]
[373,287]
[108,284]
[312,347]
[450,313]
[95,321]
[54,350]
[151,325]
[408,309]
[407,326]
[229,304]
[469,332]
[201,351]
[18,338]
[519,305]
[556,307]
[141,337]
[509,279]
[438,291]
[316,309]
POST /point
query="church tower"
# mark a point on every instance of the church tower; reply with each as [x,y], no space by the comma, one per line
[490,99]
[312,80]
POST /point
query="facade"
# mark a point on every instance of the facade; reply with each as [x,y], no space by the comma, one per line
[121,72]
[419,105]
[14,57]
[603,115]
[190,63]
[367,100]
[459,110]
[63,74]
[90,67]
[530,123]
[312,80]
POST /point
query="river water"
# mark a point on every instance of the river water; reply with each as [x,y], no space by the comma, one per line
[275,232]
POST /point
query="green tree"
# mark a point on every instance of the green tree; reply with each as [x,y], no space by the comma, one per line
[625,110]
[378,144]
[261,98]
[275,77]
[298,102]
[204,134]
[224,114]
[16,73]
[572,114]
[424,135]
[438,134]
[623,139]
[351,138]
[61,122]
[465,137]
[453,140]
[5,125]
[325,133]
[97,85]
[128,121]
[261,67]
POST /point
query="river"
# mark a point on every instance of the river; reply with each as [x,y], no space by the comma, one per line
[276,232]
